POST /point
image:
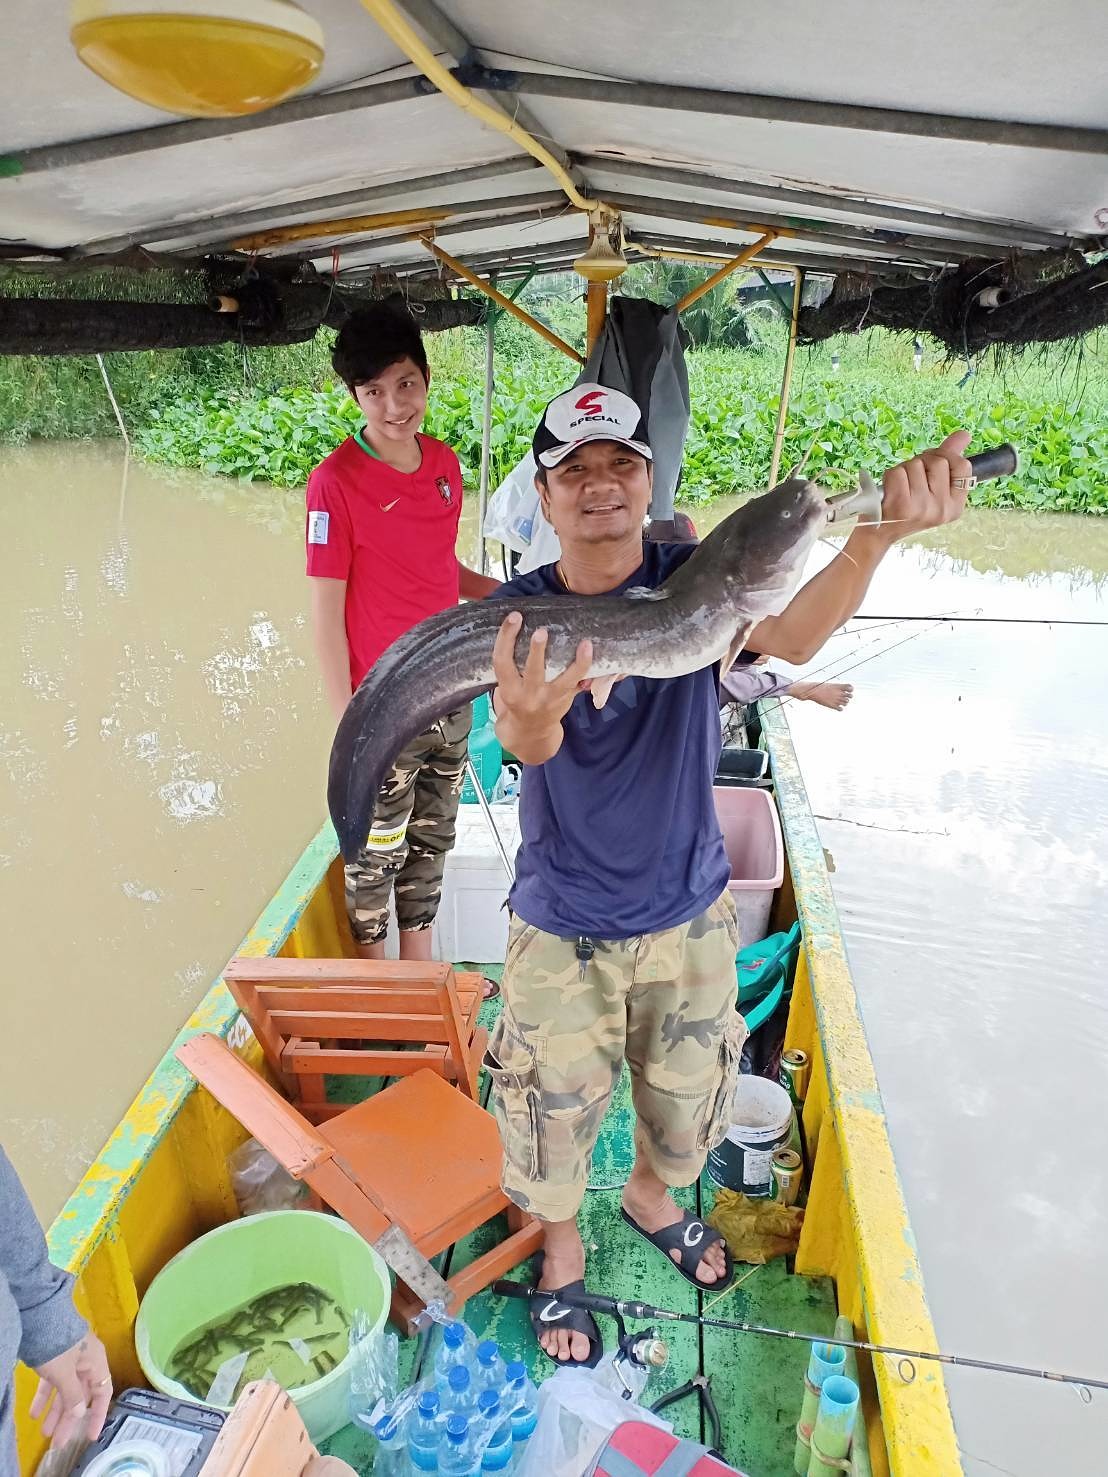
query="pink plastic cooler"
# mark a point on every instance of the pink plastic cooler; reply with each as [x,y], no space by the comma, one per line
[752,834]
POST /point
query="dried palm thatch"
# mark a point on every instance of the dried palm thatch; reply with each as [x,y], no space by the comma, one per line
[1027,299]
[147,302]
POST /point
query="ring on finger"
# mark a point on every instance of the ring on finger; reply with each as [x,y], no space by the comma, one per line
[963,484]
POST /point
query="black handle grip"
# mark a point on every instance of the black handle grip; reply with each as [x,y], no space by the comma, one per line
[506,1289]
[997,461]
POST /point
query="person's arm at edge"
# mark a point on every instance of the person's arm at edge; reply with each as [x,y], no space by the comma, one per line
[328,606]
[474,586]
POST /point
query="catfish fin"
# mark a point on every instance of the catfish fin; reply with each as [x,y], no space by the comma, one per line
[738,641]
[601,689]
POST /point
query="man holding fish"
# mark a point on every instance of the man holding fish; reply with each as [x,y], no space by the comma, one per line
[623,935]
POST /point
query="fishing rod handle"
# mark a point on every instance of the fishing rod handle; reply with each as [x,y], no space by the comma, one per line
[866,500]
[506,1289]
[995,461]
[595,1302]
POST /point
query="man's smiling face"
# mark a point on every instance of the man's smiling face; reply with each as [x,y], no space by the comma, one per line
[599,492]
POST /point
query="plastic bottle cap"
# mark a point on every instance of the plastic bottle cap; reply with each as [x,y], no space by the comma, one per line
[457,1428]
[386,1428]
[454,1335]
[458,1378]
[488,1402]
[429,1403]
[517,1371]
[487,1351]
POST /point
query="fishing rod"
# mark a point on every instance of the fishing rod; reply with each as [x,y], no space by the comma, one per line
[631,1308]
[785,699]
[985,620]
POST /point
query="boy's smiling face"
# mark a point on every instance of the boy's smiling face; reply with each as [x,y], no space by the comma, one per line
[393,403]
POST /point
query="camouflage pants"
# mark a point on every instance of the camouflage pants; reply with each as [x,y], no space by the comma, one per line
[412,832]
[665,1002]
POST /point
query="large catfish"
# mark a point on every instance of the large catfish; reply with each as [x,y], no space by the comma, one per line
[745,569]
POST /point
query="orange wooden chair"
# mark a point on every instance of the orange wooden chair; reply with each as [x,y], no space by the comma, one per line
[418,1155]
[314,1017]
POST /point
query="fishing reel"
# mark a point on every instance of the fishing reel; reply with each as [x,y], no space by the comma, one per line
[636,1356]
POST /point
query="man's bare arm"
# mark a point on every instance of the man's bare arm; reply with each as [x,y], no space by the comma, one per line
[328,603]
[918,495]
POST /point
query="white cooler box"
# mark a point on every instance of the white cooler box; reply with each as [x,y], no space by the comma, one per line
[472,922]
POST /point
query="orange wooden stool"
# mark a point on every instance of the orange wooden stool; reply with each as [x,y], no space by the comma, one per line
[314,1017]
[418,1155]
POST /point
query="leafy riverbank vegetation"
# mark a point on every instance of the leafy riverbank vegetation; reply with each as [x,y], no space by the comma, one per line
[864,401]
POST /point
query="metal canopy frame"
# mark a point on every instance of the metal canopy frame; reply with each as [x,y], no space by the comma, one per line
[427,71]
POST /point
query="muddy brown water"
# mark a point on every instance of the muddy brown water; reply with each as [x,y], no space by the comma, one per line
[163,748]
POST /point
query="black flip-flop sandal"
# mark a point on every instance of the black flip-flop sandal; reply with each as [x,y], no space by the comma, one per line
[553,1313]
[691,1237]
[489,989]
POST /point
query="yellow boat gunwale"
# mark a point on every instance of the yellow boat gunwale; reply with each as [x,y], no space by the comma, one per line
[161,1179]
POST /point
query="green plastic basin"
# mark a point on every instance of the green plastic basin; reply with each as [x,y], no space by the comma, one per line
[243,1259]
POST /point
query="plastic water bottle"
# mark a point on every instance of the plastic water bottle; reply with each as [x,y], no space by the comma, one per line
[490,1372]
[522,1399]
[390,1460]
[500,1446]
[457,1456]
[452,1350]
[424,1433]
[460,1397]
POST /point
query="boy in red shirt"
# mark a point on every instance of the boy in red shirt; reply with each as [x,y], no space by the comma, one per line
[383,513]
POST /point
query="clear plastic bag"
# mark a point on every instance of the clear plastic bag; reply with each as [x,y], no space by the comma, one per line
[515,518]
[260,1183]
[374,1371]
[577,1414]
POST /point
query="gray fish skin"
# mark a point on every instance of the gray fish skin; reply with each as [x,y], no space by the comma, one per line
[746,569]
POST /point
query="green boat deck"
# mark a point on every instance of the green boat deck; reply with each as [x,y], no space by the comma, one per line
[757,1382]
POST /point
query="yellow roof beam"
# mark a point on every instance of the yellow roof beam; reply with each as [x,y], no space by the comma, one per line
[747,254]
[461,270]
[346,226]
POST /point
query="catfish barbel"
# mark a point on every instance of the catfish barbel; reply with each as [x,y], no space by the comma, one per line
[744,570]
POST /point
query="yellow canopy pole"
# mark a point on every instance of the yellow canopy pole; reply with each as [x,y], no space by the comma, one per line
[786,380]
[747,254]
[596,311]
[347,226]
[400,30]
[501,301]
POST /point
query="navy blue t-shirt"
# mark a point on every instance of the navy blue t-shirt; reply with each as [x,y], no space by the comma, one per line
[620,835]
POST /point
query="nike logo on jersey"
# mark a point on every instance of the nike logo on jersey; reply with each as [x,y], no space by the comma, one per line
[387,507]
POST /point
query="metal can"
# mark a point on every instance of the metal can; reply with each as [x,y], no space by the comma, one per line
[787,1168]
[794,1074]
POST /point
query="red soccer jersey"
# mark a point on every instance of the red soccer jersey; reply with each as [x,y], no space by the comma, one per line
[390,535]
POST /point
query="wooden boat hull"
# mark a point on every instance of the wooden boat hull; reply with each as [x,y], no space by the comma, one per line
[162,1178]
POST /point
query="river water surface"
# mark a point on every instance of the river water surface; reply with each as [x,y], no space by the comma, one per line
[163,748]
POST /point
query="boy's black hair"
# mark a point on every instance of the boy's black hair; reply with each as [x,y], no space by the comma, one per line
[373,338]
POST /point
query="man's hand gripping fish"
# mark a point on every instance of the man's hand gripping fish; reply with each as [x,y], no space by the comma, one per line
[746,569]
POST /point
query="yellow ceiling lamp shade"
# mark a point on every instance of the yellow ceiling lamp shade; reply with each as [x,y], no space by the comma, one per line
[602,262]
[199,58]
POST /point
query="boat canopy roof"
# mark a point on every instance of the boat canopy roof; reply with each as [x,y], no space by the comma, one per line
[873,139]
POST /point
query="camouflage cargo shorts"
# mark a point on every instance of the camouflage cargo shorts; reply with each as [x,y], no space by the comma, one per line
[412,833]
[665,1002]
